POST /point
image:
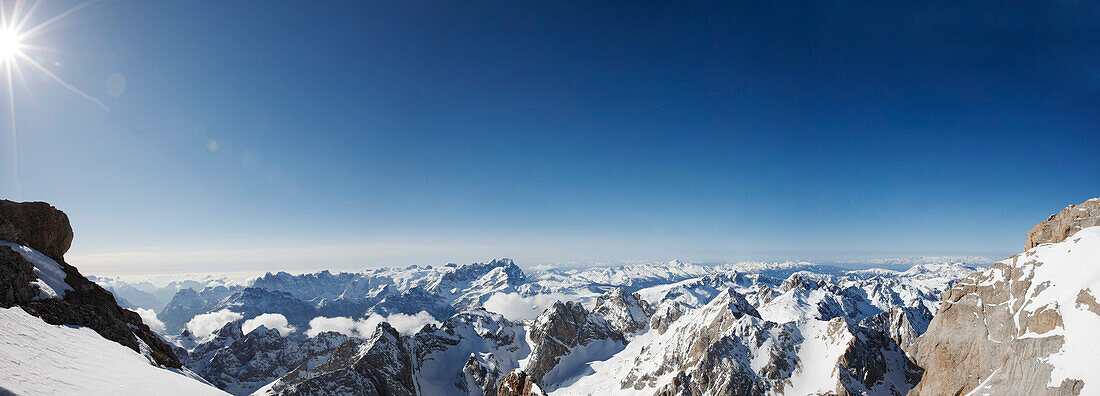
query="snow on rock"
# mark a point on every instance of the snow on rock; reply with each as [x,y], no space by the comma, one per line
[51,278]
[468,353]
[39,358]
[626,313]
[1026,324]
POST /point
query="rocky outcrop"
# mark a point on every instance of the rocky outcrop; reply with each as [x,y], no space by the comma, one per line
[1061,225]
[875,361]
[38,225]
[518,383]
[560,330]
[1025,325]
[43,228]
[16,276]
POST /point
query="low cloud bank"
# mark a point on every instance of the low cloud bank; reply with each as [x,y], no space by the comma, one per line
[268,320]
[515,307]
[364,328]
[206,324]
[150,318]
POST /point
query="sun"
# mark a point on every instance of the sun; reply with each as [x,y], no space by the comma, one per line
[9,44]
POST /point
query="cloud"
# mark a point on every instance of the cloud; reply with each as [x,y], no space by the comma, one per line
[271,321]
[150,318]
[410,324]
[516,307]
[206,324]
[364,328]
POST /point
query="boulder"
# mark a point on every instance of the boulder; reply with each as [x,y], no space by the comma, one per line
[37,225]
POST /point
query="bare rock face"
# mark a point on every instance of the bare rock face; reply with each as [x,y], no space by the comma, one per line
[44,228]
[1062,225]
[875,361]
[1025,325]
[518,383]
[38,225]
[559,330]
[16,275]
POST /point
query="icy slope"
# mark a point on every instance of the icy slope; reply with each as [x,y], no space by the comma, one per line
[43,359]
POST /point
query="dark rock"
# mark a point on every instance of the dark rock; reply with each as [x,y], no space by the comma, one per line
[518,383]
[37,225]
[16,275]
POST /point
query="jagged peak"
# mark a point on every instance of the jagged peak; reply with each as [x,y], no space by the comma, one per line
[734,302]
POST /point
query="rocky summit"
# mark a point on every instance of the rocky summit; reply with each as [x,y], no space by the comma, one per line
[1061,225]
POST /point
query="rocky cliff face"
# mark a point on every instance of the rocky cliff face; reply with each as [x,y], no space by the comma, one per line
[1061,225]
[1025,325]
[518,383]
[43,228]
[562,330]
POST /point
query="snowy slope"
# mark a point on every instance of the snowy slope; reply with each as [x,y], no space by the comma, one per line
[43,359]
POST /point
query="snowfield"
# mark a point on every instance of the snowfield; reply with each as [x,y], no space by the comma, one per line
[37,358]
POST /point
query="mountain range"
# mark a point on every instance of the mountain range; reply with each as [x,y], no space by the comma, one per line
[1021,325]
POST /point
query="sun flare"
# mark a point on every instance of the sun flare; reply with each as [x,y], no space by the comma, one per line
[9,44]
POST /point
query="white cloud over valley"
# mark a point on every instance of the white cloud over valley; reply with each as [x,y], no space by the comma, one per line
[150,318]
[516,307]
[271,321]
[364,328]
[206,324]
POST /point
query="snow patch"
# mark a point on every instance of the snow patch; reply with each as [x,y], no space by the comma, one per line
[51,278]
[38,358]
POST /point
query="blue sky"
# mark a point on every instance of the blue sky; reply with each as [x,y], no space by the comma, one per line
[276,135]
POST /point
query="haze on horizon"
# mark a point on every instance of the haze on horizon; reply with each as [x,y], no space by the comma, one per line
[252,136]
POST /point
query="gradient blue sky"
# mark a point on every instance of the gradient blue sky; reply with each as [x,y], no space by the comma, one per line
[358,134]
